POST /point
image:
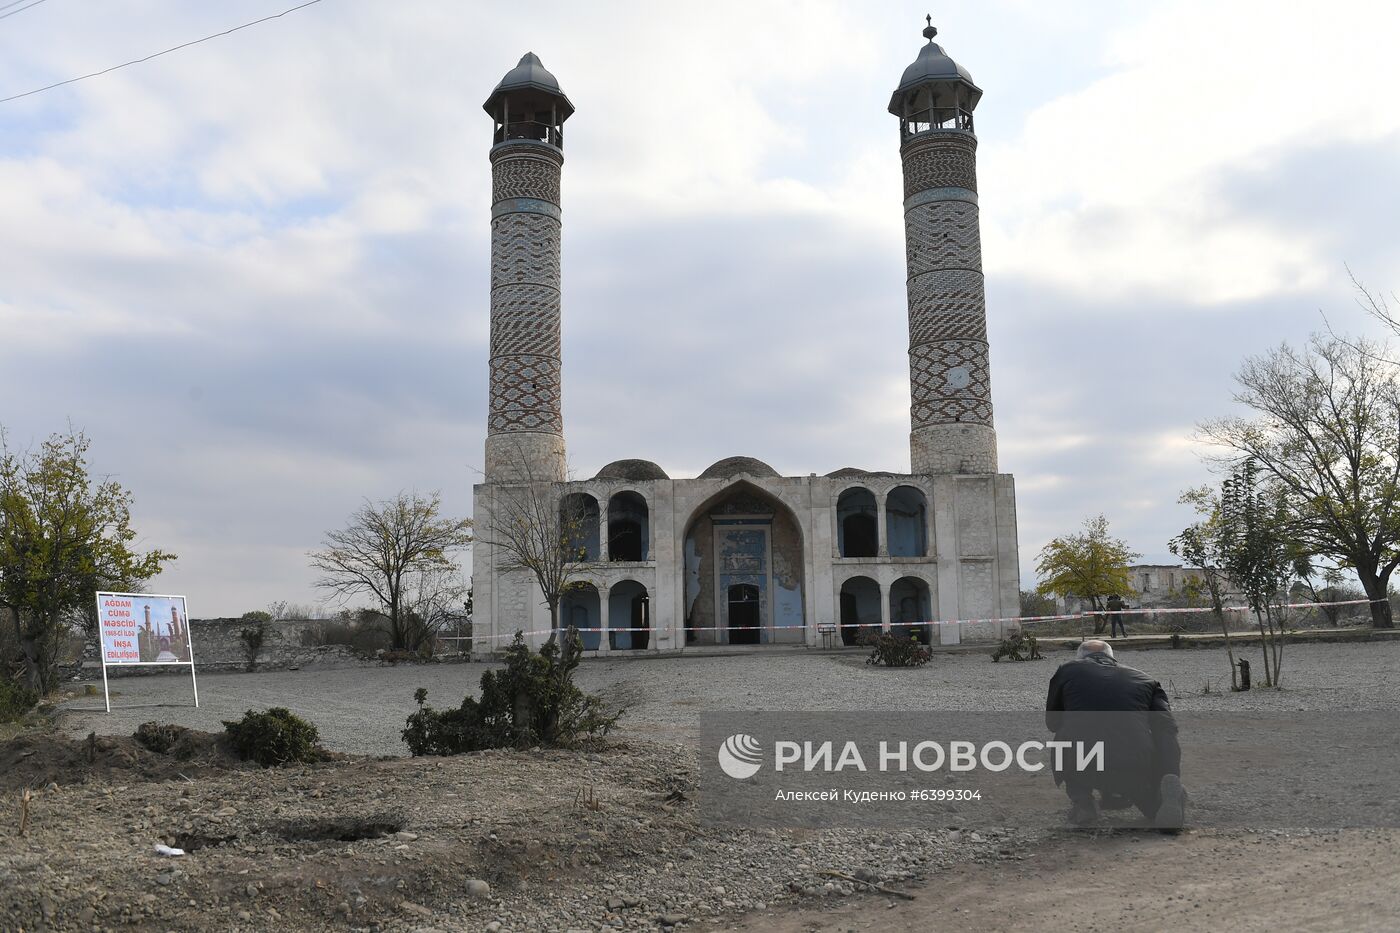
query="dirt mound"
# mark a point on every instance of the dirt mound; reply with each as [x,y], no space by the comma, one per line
[152,754]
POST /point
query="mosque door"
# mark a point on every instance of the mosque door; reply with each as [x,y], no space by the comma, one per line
[744,615]
[742,580]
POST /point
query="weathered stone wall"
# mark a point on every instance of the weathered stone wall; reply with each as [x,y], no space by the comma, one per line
[218,647]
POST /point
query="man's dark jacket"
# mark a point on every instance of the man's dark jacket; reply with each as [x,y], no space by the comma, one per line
[1095,699]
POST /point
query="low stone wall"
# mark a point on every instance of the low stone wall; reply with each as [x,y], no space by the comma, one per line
[218,646]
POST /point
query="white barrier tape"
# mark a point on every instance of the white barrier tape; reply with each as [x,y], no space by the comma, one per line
[1018,619]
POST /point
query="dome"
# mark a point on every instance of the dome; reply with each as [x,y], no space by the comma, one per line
[847,471]
[730,467]
[635,470]
[933,66]
[535,87]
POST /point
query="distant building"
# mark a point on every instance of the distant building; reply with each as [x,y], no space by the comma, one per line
[1159,586]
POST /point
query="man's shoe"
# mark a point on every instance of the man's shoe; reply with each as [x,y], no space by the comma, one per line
[1171,814]
[1084,813]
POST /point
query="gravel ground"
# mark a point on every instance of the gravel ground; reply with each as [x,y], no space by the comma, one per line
[361,710]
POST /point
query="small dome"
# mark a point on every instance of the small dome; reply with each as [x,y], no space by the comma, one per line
[933,64]
[932,67]
[535,87]
[732,466]
[847,471]
[635,470]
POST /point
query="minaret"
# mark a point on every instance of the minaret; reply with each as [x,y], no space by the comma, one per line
[525,429]
[950,385]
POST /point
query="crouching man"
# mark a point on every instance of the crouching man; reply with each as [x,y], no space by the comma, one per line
[1093,699]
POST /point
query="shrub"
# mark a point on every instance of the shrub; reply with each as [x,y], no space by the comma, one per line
[894,650]
[274,737]
[257,615]
[252,637]
[165,738]
[1019,647]
[531,701]
[15,700]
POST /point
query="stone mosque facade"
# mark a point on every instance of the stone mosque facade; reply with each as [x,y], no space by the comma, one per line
[741,555]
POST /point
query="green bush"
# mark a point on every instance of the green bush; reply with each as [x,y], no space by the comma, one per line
[274,737]
[15,700]
[1019,647]
[257,615]
[531,701]
[894,650]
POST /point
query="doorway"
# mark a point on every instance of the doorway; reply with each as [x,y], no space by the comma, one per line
[744,614]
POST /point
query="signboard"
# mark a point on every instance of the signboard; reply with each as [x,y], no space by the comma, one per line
[143,629]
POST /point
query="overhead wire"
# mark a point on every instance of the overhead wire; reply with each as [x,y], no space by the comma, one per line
[33,3]
[138,61]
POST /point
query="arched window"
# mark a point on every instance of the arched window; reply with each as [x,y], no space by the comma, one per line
[857,524]
[628,527]
[578,526]
[911,608]
[629,613]
[860,609]
[906,522]
[580,607]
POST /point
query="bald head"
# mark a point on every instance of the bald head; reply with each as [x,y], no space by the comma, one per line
[1093,646]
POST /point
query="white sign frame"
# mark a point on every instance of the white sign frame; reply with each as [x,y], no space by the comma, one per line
[102,641]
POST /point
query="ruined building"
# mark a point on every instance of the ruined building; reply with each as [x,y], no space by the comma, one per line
[739,554]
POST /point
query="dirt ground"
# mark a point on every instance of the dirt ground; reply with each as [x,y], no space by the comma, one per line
[1242,882]
[610,839]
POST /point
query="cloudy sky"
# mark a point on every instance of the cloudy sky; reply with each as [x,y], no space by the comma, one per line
[255,271]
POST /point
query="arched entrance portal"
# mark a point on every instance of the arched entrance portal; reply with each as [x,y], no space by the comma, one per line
[860,609]
[743,571]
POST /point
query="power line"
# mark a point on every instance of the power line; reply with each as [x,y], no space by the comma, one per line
[138,61]
[11,3]
[21,9]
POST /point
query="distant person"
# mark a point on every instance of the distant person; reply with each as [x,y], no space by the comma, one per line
[1093,698]
[1116,605]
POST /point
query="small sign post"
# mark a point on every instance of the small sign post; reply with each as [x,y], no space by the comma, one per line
[143,629]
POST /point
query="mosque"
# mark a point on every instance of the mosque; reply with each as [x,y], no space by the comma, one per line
[740,555]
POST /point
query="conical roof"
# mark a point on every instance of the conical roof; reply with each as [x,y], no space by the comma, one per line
[533,83]
[933,66]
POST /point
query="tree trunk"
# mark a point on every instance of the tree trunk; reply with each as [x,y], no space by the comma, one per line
[1264,647]
[1375,588]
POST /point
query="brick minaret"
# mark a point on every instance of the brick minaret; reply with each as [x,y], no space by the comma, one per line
[525,429]
[950,382]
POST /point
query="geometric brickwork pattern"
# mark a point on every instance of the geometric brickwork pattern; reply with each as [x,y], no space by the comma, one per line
[526,385]
[525,319]
[950,382]
[942,235]
[949,376]
[522,172]
[525,394]
[524,248]
[940,161]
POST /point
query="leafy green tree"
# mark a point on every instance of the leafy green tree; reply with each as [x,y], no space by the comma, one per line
[1091,565]
[1327,430]
[394,551]
[1259,553]
[1200,545]
[63,537]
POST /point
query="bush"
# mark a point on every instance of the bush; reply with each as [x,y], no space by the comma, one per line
[252,637]
[274,737]
[1019,647]
[257,615]
[894,650]
[15,700]
[165,738]
[531,701]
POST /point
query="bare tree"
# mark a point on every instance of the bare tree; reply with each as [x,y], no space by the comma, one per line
[1328,431]
[1200,545]
[433,599]
[536,525]
[385,548]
